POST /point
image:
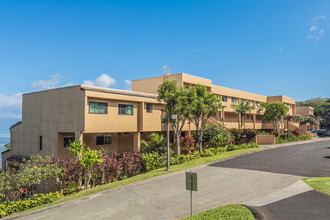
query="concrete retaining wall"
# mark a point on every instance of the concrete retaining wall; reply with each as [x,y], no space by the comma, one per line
[265,139]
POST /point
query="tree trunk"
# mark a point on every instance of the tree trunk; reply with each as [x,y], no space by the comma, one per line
[177,149]
[200,141]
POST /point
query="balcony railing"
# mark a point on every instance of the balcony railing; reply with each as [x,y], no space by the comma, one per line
[231,120]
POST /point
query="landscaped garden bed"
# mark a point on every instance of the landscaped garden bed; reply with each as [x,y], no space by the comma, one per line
[228,212]
[321,184]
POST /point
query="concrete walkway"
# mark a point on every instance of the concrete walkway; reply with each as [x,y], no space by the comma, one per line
[165,197]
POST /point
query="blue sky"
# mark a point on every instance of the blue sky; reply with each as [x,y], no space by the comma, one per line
[264,47]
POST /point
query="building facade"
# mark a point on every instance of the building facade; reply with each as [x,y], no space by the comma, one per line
[116,120]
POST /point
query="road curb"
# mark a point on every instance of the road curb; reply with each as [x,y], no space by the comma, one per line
[256,212]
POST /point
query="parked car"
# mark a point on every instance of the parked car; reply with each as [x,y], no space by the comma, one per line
[321,132]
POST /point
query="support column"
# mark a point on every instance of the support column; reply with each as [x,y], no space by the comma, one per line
[137,141]
[79,136]
[223,115]
[254,121]
[240,126]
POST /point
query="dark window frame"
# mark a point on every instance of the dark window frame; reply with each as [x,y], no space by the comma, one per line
[149,110]
[103,140]
[104,104]
[122,107]
[66,144]
[224,98]
[40,142]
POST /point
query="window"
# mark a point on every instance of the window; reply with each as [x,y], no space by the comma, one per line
[98,108]
[103,140]
[68,140]
[125,109]
[257,103]
[40,142]
[288,105]
[234,100]
[224,98]
[149,108]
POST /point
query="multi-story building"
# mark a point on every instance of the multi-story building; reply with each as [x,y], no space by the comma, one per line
[308,111]
[114,119]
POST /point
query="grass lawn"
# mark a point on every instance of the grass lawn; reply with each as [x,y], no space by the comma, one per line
[227,212]
[144,176]
[321,184]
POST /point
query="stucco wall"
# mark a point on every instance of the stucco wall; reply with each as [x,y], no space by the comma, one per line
[265,139]
[5,155]
[15,139]
[46,114]
[150,85]
[305,111]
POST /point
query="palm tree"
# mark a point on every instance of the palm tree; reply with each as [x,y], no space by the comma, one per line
[242,109]
[156,143]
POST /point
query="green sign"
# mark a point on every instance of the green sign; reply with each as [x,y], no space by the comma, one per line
[191,181]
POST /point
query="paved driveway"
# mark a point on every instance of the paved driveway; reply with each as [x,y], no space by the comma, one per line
[310,160]
[237,181]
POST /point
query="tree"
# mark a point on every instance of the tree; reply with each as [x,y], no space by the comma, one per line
[176,103]
[89,159]
[274,112]
[323,113]
[313,102]
[16,184]
[7,146]
[242,109]
[310,120]
[156,143]
[204,104]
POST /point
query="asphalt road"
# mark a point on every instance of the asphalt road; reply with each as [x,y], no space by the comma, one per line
[305,206]
[310,160]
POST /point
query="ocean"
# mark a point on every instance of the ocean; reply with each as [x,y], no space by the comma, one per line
[4,139]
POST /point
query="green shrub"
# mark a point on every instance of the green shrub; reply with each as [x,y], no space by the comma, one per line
[231,147]
[263,133]
[7,208]
[237,134]
[249,133]
[156,143]
[218,140]
[292,139]
[252,145]
[154,160]
[213,130]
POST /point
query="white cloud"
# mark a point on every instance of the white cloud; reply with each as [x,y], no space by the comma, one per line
[11,100]
[68,84]
[316,31]
[128,84]
[8,114]
[103,81]
[52,83]
[10,105]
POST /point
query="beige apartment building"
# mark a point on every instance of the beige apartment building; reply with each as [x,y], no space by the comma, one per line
[308,111]
[116,120]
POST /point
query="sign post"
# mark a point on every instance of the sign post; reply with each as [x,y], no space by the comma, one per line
[191,184]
